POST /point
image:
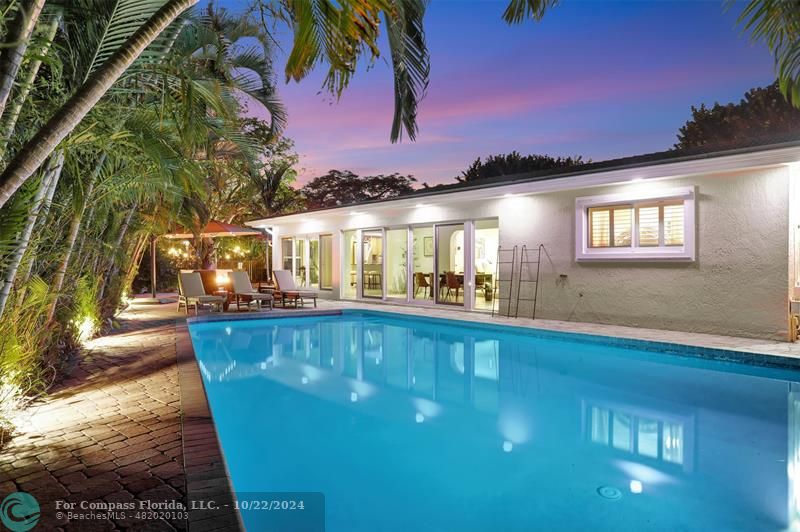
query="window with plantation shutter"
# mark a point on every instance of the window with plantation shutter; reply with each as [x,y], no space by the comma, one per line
[650,226]
[673,225]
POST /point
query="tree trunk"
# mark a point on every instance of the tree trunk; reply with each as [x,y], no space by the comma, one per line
[113,268]
[72,237]
[11,117]
[36,150]
[19,34]
[25,237]
[48,201]
[136,259]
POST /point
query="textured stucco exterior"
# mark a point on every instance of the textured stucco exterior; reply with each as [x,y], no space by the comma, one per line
[738,285]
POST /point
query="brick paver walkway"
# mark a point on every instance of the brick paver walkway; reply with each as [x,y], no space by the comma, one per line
[110,432]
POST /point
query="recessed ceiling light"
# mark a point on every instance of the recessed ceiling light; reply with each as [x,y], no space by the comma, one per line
[356,213]
[508,195]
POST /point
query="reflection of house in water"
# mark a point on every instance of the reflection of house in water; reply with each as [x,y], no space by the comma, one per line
[541,422]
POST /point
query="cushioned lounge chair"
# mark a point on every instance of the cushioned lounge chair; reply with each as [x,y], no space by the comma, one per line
[287,292]
[245,293]
[191,292]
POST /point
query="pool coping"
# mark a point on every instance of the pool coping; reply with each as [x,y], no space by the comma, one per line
[741,355]
[207,474]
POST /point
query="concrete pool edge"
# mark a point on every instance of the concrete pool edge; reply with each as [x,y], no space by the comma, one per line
[207,475]
[751,356]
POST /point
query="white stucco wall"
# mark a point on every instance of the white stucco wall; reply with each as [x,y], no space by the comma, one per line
[739,284]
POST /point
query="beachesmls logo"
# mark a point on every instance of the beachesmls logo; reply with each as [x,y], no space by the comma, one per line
[19,512]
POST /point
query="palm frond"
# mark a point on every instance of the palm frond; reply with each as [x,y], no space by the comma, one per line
[777,23]
[518,11]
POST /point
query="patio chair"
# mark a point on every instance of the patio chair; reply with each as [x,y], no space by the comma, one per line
[243,291]
[452,283]
[422,282]
[287,291]
[190,286]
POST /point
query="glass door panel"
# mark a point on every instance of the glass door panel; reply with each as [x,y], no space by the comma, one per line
[313,262]
[349,265]
[300,262]
[396,268]
[450,264]
[422,265]
[487,240]
[287,254]
[372,263]
[326,262]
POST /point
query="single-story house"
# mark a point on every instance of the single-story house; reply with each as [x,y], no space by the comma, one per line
[707,242]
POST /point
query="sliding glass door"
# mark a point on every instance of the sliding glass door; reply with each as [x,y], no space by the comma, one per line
[326,262]
[396,263]
[422,265]
[450,264]
[349,280]
[487,240]
[372,263]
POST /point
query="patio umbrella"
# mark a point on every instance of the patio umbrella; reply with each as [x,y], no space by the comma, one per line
[213,229]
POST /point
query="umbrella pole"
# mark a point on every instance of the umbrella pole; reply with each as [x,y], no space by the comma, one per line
[153,265]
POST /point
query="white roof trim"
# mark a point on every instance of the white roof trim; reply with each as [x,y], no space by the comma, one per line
[711,165]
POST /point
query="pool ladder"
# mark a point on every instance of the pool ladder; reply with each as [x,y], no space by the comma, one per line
[521,264]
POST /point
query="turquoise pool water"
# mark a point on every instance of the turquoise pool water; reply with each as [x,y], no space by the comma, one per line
[416,424]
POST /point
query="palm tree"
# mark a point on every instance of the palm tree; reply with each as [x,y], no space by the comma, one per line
[13,51]
[36,150]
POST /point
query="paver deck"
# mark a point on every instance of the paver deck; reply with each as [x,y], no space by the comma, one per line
[113,431]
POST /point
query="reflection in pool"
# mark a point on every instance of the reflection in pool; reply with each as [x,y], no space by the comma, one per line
[433,425]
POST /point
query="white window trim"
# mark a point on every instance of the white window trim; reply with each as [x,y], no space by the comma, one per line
[685,253]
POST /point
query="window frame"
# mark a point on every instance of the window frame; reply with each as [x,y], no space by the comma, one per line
[635,252]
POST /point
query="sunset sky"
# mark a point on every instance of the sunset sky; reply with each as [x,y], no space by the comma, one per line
[597,79]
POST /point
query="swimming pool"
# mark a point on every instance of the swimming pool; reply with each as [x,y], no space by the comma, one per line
[406,423]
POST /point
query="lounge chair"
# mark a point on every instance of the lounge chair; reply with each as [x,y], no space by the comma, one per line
[190,286]
[287,291]
[244,291]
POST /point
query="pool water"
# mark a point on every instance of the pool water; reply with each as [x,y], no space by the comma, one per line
[439,425]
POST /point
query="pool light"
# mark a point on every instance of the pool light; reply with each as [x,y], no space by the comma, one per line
[228,331]
[508,446]
[304,379]
[636,486]
[419,418]
[353,397]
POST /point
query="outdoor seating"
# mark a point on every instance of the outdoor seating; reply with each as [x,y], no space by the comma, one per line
[191,292]
[452,284]
[287,292]
[244,292]
[421,282]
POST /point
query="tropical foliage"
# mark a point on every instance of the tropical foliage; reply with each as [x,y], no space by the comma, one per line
[169,143]
[762,116]
[343,187]
[514,163]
